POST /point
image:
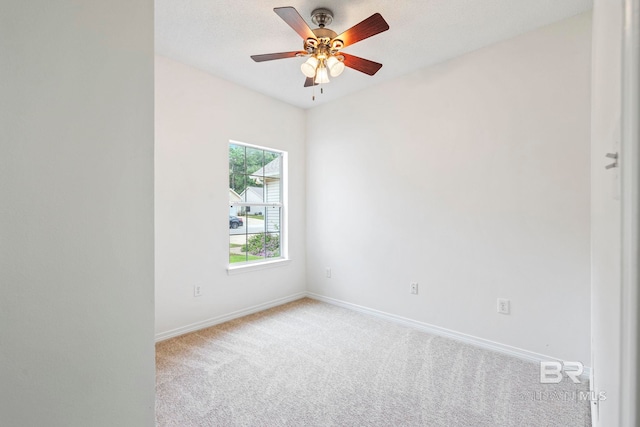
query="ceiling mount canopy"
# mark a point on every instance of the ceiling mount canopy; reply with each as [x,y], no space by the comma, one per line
[323,46]
[322,17]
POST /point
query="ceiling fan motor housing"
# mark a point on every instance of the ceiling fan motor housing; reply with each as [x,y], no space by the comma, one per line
[324,36]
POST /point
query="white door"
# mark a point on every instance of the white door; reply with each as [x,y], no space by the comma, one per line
[615,216]
[605,211]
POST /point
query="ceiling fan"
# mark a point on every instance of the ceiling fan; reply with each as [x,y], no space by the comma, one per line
[323,46]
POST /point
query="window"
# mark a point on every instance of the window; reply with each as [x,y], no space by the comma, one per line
[256,203]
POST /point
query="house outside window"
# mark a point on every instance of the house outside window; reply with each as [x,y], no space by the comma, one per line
[256,204]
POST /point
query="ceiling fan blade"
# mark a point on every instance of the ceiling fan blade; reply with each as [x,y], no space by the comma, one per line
[309,82]
[361,64]
[272,56]
[291,16]
[371,26]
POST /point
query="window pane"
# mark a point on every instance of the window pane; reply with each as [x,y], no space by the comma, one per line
[237,183]
[237,248]
[237,221]
[272,245]
[272,192]
[237,159]
[255,223]
[255,181]
[273,167]
[272,219]
[255,161]
[255,246]
[254,195]
[260,246]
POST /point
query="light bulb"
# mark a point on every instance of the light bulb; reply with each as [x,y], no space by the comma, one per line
[309,68]
[335,66]
[322,76]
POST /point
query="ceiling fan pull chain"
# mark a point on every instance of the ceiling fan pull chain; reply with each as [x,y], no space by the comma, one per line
[313,86]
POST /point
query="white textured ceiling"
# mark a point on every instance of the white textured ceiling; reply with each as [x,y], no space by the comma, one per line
[218,36]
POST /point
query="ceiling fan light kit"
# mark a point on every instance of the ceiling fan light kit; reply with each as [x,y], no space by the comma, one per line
[335,65]
[322,76]
[309,67]
[323,46]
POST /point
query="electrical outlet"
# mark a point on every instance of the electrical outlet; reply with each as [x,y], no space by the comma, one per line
[197,291]
[504,306]
[413,288]
[328,272]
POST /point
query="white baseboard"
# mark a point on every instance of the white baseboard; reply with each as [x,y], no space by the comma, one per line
[226,317]
[448,333]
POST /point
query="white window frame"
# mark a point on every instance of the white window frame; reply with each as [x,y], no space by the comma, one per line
[283,259]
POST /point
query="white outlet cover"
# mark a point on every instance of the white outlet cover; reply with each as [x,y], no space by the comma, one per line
[413,288]
[504,306]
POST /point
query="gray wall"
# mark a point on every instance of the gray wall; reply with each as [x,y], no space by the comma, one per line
[76,217]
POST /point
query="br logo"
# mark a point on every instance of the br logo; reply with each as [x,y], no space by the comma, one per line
[551,371]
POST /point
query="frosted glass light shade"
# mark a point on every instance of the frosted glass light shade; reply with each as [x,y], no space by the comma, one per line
[322,76]
[309,67]
[335,66]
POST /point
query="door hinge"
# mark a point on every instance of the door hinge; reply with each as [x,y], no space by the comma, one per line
[613,156]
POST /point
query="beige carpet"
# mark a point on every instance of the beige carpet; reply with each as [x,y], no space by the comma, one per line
[309,363]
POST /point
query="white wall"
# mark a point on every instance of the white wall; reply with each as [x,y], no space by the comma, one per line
[470,177]
[196,116]
[605,209]
[76,217]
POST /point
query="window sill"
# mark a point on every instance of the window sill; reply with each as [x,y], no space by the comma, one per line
[245,268]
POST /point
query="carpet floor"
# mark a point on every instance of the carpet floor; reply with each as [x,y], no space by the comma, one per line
[309,363]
